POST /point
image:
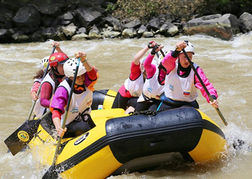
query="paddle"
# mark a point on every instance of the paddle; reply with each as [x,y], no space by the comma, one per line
[210,97]
[38,92]
[162,52]
[66,112]
[23,135]
[237,144]
[51,173]
[161,100]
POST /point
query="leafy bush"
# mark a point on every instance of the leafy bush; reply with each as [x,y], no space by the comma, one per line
[236,7]
[146,9]
[142,9]
[184,10]
[181,10]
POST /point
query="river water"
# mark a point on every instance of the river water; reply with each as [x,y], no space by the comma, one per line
[227,64]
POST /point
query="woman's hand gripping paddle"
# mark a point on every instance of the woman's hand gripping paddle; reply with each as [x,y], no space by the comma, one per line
[210,97]
[23,135]
[237,144]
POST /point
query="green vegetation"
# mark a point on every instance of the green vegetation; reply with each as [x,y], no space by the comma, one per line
[185,9]
[181,10]
[142,9]
[111,7]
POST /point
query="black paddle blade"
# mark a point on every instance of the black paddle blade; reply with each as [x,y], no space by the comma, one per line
[22,136]
[51,173]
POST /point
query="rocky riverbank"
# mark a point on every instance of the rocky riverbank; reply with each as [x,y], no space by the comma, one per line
[77,20]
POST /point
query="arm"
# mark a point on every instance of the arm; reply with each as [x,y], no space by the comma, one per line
[208,85]
[91,79]
[150,68]
[45,94]
[56,116]
[92,75]
[139,55]
[57,123]
[84,61]
[169,60]
[59,100]
[57,45]
[34,90]
[135,70]
[124,93]
[59,129]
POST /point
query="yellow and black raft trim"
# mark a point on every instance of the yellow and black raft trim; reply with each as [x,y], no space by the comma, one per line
[103,97]
[137,142]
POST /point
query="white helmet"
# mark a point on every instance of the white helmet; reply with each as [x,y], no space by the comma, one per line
[44,63]
[189,47]
[70,67]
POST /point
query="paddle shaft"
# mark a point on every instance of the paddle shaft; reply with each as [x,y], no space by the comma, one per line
[13,142]
[160,62]
[162,52]
[204,86]
[38,92]
[66,112]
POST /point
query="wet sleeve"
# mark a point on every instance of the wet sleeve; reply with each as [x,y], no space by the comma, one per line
[91,78]
[45,94]
[35,86]
[169,62]
[59,99]
[56,113]
[135,71]
[149,67]
[124,93]
[207,83]
[92,75]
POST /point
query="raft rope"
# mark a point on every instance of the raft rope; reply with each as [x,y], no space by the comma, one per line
[147,112]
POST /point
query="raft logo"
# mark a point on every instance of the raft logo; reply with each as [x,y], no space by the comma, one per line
[81,139]
[52,58]
[23,136]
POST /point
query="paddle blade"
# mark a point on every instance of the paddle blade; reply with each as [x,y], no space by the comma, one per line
[22,136]
[51,173]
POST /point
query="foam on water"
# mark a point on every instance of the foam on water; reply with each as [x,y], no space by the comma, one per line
[226,63]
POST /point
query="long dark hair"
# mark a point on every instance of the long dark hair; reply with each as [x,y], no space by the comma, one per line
[54,76]
[39,74]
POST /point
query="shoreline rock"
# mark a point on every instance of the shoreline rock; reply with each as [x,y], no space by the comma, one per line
[220,26]
[64,21]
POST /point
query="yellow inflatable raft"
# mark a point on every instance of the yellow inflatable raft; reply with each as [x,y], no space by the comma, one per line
[122,142]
